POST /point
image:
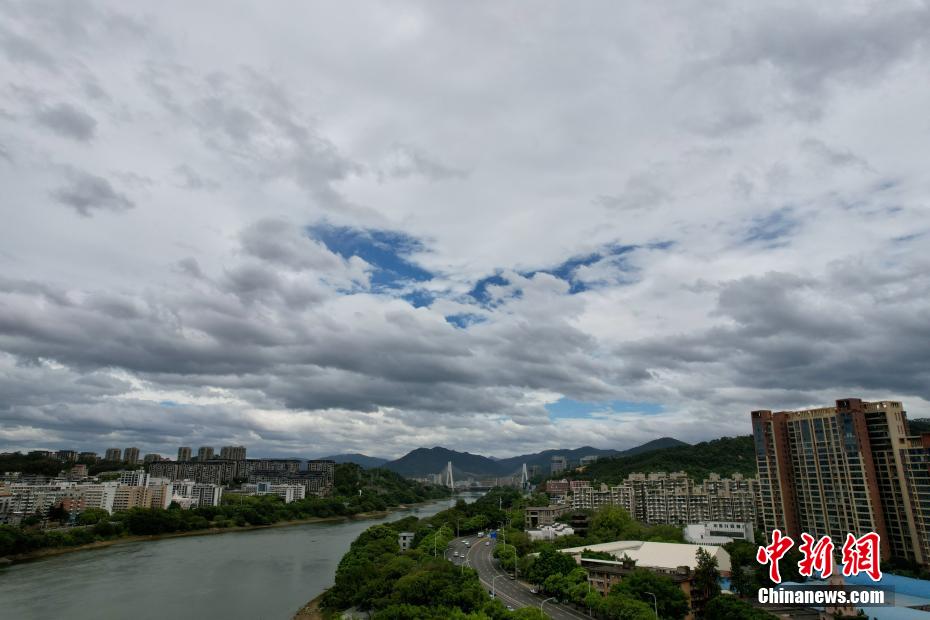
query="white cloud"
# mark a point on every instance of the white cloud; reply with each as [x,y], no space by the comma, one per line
[763,167]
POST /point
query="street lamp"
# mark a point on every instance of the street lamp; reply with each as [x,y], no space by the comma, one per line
[493,583]
[655,604]
[551,598]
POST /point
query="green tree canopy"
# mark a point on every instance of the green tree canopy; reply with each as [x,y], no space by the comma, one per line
[672,602]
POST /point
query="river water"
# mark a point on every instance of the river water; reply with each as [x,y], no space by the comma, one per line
[255,575]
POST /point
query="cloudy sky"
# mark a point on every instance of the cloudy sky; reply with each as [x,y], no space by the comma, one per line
[316,227]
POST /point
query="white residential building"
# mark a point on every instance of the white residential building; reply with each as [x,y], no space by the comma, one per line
[135,478]
[207,494]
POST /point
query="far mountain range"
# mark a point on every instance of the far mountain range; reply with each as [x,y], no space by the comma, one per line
[425,461]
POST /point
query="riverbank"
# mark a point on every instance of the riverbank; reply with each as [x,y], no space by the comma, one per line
[312,610]
[103,544]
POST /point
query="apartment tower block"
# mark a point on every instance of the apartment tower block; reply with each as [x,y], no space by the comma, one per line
[851,468]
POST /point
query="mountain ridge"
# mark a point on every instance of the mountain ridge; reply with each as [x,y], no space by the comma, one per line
[363,460]
[425,461]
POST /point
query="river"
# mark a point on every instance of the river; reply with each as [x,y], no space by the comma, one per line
[263,574]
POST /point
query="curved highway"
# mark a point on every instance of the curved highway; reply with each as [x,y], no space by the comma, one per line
[514,593]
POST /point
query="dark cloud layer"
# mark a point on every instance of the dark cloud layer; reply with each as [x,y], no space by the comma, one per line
[420,224]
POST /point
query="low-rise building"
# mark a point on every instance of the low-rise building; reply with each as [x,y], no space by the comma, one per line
[550,532]
[538,516]
[676,561]
[288,492]
[405,540]
[718,532]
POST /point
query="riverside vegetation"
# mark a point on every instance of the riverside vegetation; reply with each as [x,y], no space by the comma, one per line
[356,491]
[377,578]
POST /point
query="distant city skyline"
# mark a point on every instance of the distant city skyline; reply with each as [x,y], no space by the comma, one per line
[497,227]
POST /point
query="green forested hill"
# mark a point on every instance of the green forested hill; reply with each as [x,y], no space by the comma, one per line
[724,456]
[918,426]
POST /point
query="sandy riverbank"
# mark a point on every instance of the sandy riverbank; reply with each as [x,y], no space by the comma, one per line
[52,551]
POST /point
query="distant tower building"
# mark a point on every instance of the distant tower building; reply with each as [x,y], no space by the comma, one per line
[131,456]
[204,454]
[559,464]
[88,456]
[587,460]
[233,453]
[114,455]
[184,454]
[67,455]
[151,458]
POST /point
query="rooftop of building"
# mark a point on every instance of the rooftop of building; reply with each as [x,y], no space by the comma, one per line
[648,554]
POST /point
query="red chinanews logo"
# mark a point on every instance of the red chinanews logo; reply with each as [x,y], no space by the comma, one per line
[859,555]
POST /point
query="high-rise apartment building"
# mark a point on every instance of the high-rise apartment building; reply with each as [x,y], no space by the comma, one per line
[67,455]
[114,455]
[673,498]
[851,468]
[233,453]
[184,454]
[204,453]
[131,456]
[558,464]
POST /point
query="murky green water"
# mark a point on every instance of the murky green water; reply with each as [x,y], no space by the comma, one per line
[262,574]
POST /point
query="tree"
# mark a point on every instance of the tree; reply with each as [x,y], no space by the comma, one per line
[507,554]
[622,607]
[728,607]
[671,601]
[90,516]
[550,562]
[706,582]
[743,567]
[610,523]
[58,513]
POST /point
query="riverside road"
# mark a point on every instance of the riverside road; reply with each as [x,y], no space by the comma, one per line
[514,593]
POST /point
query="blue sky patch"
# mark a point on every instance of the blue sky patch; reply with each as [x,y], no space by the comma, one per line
[419,298]
[571,408]
[772,227]
[464,319]
[480,290]
[386,250]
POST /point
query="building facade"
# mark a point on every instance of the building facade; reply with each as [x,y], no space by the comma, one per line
[662,498]
[184,454]
[233,453]
[114,455]
[850,468]
[131,456]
